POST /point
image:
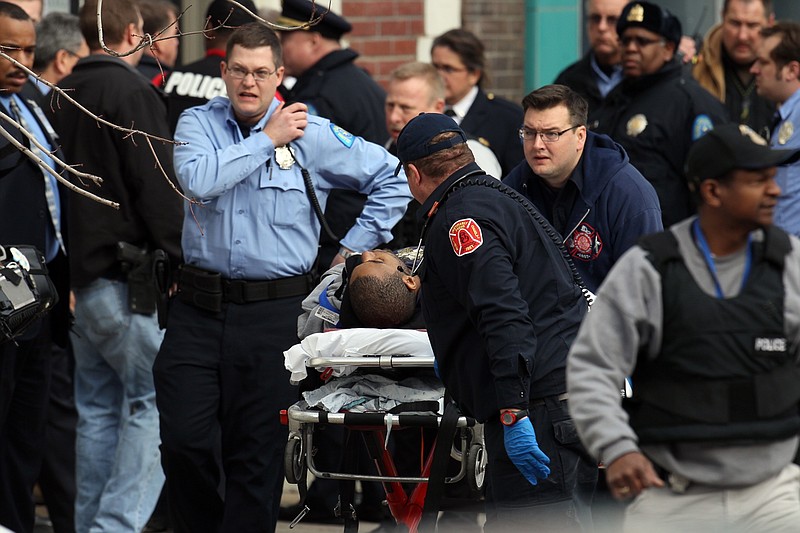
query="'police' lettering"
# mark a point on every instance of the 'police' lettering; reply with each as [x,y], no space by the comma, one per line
[763,344]
[195,85]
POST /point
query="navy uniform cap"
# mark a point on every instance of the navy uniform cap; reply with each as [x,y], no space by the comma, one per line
[231,15]
[416,138]
[651,17]
[297,12]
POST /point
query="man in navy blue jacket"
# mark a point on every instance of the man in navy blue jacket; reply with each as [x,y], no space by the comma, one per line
[583,183]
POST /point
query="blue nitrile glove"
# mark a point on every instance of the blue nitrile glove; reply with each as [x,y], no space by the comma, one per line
[524,452]
[436,368]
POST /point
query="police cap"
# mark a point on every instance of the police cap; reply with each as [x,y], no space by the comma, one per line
[298,12]
[730,147]
[416,138]
[651,17]
[223,12]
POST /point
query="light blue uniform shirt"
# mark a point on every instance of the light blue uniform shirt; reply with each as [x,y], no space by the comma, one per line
[605,83]
[256,221]
[787,212]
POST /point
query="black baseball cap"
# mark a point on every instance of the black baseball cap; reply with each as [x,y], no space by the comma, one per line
[299,12]
[730,147]
[651,17]
[416,138]
[223,12]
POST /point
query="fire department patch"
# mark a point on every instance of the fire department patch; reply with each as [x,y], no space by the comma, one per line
[465,236]
[584,243]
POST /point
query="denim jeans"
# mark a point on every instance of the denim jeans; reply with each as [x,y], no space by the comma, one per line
[118,469]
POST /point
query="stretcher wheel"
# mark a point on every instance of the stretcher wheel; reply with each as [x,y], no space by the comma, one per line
[293,461]
[476,467]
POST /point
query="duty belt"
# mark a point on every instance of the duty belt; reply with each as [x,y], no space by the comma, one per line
[209,290]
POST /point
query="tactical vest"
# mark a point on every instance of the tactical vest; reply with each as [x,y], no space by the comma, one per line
[724,371]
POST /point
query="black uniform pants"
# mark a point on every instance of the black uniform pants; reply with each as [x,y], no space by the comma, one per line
[220,384]
[24,385]
[512,503]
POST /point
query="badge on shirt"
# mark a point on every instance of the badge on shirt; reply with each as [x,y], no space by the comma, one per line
[344,136]
[636,125]
[584,243]
[465,236]
[284,156]
[785,133]
[702,125]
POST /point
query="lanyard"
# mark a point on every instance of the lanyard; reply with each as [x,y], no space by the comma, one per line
[709,259]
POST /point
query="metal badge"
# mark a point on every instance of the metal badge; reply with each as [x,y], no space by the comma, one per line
[284,156]
[636,125]
[785,133]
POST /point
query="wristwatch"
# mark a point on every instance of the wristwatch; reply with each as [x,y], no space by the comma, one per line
[509,417]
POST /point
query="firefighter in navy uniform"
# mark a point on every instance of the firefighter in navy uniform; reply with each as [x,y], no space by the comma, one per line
[657,111]
[502,306]
[706,318]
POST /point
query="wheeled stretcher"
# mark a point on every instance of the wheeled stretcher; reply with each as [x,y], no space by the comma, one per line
[374,419]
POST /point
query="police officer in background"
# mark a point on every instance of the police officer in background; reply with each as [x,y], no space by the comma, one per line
[706,319]
[249,249]
[198,82]
[657,111]
[332,86]
[500,339]
[459,57]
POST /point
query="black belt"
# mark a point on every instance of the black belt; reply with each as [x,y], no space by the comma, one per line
[541,401]
[209,290]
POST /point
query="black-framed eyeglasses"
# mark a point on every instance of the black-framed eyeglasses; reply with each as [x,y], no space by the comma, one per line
[447,69]
[640,42]
[262,74]
[527,134]
[595,19]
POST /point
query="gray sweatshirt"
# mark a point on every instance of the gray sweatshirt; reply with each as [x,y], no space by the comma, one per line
[627,317]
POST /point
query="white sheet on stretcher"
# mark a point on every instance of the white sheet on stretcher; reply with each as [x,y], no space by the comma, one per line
[354,342]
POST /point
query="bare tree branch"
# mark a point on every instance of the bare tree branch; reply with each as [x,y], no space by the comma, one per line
[47,168]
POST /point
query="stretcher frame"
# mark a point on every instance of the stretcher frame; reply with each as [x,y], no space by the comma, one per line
[405,508]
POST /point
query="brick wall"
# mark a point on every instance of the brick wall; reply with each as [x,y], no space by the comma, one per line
[500,24]
[384,33]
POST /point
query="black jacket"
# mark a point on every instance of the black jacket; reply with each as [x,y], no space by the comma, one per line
[150,212]
[495,122]
[194,84]
[580,77]
[497,295]
[656,118]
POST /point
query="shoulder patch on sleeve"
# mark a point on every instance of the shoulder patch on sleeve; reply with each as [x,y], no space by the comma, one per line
[465,236]
[702,125]
[344,136]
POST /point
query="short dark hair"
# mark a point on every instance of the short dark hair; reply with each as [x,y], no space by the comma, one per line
[468,48]
[156,14]
[13,11]
[117,14]
[56,31]
[382,302]
[254,35]
[767,6]
[788,49]
[551,96]
[445,162]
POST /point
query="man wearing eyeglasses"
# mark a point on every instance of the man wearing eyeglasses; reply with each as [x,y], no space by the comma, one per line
[249,245]
[657,111]
[582,183]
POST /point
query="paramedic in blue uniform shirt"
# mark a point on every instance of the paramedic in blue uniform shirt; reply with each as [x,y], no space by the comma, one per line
[706,318]
[502,307]
[249,245]
[583,183]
